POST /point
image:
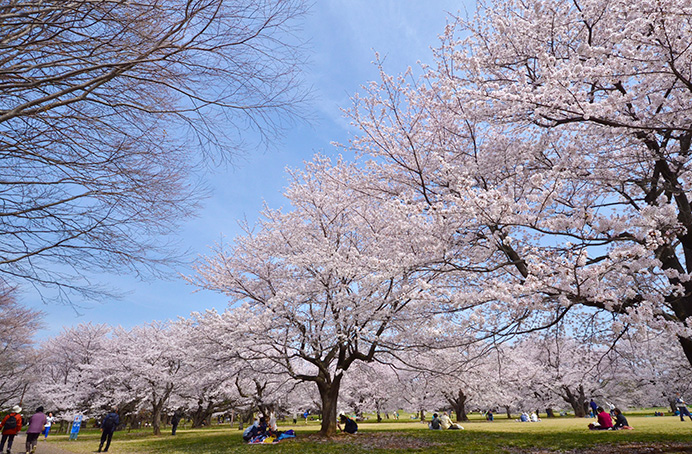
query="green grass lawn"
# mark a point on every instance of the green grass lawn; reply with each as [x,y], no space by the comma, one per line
[568,434]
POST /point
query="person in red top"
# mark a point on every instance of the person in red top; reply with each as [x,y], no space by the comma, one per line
[11,425]
[605,422]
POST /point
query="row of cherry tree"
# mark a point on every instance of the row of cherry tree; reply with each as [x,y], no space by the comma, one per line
[535,178]
[190,366]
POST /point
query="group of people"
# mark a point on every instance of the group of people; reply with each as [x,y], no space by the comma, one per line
[263,431]
[443,422]
[39,423]
[525,417]
[610,421]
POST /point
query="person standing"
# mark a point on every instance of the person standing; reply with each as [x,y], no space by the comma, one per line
[108,426]
[682,408]
[37,423]
[49,422]
[175,420]
[11,426]
[594,408]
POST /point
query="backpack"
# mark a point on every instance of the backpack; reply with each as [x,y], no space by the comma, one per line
[11,422]
[108,423]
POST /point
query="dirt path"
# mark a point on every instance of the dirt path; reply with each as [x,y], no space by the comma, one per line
[43,446]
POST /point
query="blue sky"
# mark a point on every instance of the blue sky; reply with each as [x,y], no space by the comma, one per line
[342,37]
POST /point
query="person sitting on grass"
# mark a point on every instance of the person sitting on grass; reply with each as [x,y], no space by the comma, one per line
[435,424]
[605,422]
[350,426]
[446,423]
[258,429]
[620,421]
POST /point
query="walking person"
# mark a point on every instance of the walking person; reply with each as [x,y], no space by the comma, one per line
[175,419]
[108,426]
[37,423]
[682,408]
[49,423]
[11,425]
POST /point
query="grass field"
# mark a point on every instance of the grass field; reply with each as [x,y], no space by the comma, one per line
[569,435]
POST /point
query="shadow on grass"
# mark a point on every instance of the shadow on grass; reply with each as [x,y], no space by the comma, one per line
[421,441]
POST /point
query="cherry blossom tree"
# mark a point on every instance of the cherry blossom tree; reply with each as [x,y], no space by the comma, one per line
[246,386]
[18,325]
[144,366]
[653,369]
[66,381]
[556,138]
[371,387]
[323,285]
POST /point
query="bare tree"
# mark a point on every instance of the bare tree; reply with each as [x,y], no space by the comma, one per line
[106,109]
[17,327]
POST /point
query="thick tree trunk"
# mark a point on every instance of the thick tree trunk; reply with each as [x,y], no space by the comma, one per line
[686,345]
[509,413]
[156,418]
[458,403]
[422,414]
[577,400]
[202,413]
[329,394]
[549,412]
[460,406]
[673,404]
[157,408]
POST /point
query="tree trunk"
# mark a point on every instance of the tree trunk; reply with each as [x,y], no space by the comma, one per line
[157,408]
[422,415]
[202,413]
[460,406]
[329,394]
[509,413]
[673,404]
[686,345]
[458,403]
[549,412]
[156,417]
[576,400]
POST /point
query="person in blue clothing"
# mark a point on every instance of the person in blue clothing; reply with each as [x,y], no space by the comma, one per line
[594,408]
[108,425]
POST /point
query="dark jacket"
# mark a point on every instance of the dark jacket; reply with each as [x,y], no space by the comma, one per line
[110,422]
[620,421]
